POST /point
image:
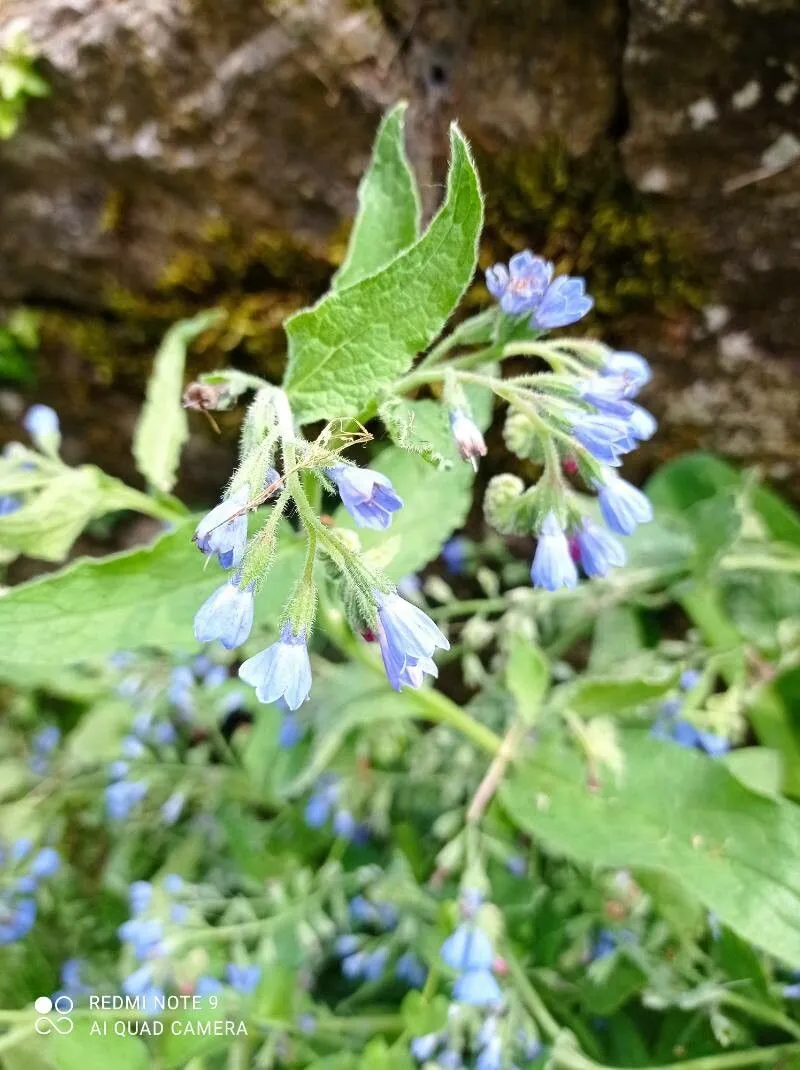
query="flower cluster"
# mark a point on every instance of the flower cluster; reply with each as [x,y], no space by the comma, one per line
[527,288]
[669,725]
[22,874]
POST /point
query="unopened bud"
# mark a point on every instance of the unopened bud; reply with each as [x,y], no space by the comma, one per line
[204,396]
[469,440]
[521,437]
[501,503]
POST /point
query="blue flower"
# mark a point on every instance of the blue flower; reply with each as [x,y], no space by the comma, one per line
[407,639]
[478,988]
[607,396]
[622,505]
[138,982]
[283,670]
[374,964]
[565,302]
[599,551]
[353,965]
[180,689]
[791,991]
[163,733]
[45,864]
[517,865]
[347,945]
[243,978]
[344,824]
[9,505]
[450,1059]
[144,935]
[690,678]
[712,744]
[118,769]
[491,1055]
[46,740]
[216,676]
[318,807]
[20,849]
[368,496]
[41,422]
[122,796]
[16,918]
[227,615]
[468,438]
[410,969]
[133,748]
[173,883]
[291,731]
[607,438]
[633,369]
[527,285]
[553,566]
[207,986]
[179,913]
[604,945]
[71,980]
[454,554]
[422,1048]
[140,895]
[172,809]
[223,531]
[468,948]
[642,423]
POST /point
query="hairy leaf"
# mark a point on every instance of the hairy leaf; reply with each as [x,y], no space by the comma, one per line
[678,812]
[388,205]
[349,347]
[163,428]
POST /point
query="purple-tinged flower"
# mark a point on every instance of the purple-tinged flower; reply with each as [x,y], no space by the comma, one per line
[226,615]
[599,551]
[172,809]
[478,988]
[45,864]
[16,918]
[468,437]
[408,639]
[140,895]
[690,678]
[607,395]
[9,505]
[41,422]
[223,531]
[607,438]
[468,948]
[632,368]
[283,670]
[243,978]
[291,731]
[527,286]
[206,986]
[553,566]
[622,505]
[368,496]
[454,554]
[122,796]
[411,969]
[422,1048]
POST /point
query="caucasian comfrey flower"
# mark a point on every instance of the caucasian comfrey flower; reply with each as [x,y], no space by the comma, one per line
[468,437]
[408,639]
[282,671]
[223,531]
[227,615]
[527,286]
[368,496]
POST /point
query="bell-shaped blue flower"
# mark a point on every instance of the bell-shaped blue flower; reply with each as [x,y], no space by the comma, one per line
[407,638]
[622,505]
[521,286]
[454,554]
[411,969]
[41,423]
[477,988]
[642,423]
[565,302]
[553,566]
[633,369]
[599,551]
[607,438]
[283,670]
[223,531]
[45,864]
[368,496]
[468,948]
[227,615]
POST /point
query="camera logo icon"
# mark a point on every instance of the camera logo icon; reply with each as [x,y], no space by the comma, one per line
[46,1024]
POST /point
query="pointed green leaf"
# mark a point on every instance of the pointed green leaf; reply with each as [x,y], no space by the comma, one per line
[144,597]
[163,428]
[354,343]
[48,525]
[678,812]
[388,205]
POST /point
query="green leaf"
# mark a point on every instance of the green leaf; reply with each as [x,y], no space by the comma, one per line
[678,812]
[618,636]
[423,1015]
[436,500]
[48,525]
[608,696]
[189,1039]
[388,205]
[527,678]
[145,597]
[759,769]
[163,428]
[85,1049]
[354,343]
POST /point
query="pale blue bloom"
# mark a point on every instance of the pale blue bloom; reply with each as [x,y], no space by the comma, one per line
[173,883]
[491,1055]
[553,566]
[172,809]
[9,505]
[41,422]
[411,969]
[478,988]
[690,678]
[347,945]
[607,438]
[319,806]
[16,918]
[144,935]
[207,986]
[283,670]
[227,615]
[527,285]
[642,423]
[468,948]
[140,895]
[45,864]
[243,978]
[368,496]
[632,368]
[565,302]
[223,531]
[599,551]
[122,796]
[138,982]
[517,865]
[216,676]
[408,639]
[422,1048]
[454,554]
[623,506]
[46,740]
[291,731]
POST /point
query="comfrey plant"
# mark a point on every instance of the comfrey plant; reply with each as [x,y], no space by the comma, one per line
[283,845]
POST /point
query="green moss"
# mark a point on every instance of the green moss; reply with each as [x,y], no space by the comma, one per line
[584,215]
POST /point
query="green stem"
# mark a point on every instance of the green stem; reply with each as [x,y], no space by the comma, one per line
[764,1014]
[759,563]
[727,1061]
[532,999]
[466,607]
